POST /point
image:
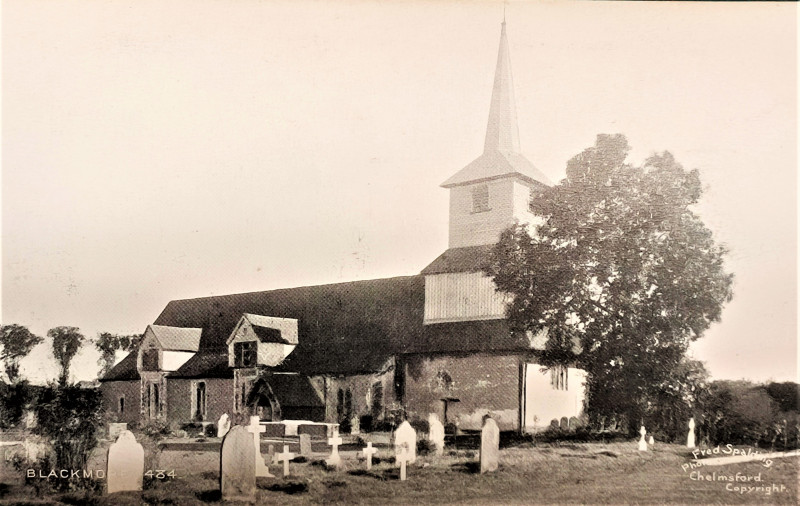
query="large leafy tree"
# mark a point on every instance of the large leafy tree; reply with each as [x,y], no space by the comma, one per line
[16,341]
[66,342]
[108,344]
[621,272]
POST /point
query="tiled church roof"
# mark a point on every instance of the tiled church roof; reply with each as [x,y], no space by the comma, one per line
[125,370]
[466,259]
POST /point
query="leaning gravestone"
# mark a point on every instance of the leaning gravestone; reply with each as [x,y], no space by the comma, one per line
[406,435]
[642,442]
[690,443]
[305,445]
[436,433]
[223,425]
[490,446]
[125,469]
[237,474]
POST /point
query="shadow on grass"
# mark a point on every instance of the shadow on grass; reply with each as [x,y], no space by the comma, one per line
[214,495]
[467,467]
[364,472]
[287,487]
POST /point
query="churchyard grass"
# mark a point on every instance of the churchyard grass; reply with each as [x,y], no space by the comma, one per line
[592,473]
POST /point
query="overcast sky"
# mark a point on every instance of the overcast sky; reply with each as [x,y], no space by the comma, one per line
[163,150]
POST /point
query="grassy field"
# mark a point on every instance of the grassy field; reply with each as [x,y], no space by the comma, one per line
[568,473]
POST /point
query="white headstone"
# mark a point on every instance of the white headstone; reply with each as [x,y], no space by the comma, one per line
[305,444]
[690,443]
[125,469]
[436,433]
[285,457]
[237,473]
[652,441]
[642,442]
[406,435]
[368,452]
[223,425]
[256,429]
[490,446]
[355,425]
[334,460]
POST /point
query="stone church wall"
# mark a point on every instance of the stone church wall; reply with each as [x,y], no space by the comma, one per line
[219,399]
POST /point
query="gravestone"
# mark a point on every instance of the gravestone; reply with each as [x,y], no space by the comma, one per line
[125,465]
[403,457]
[237,475]
[642,442]
[490,446]
[436,433]
[285,457]
[355,425]
[554,424]
[564,425]
[406,435]
[652,441]
[334,460]
[690,443]
[305,445]
[223,425]
[30,420]
[368,452]
[574,423]
[262,470]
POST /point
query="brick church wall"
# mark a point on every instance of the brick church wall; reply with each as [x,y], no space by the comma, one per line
[131,391]
[219,399]
[483,383]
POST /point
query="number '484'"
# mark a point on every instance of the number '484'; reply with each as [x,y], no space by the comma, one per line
[160,474]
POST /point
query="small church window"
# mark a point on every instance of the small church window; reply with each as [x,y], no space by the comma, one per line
[122,404]
[245,354]
[480,198]
[339,404]
[558,377]
[156,401]
[377,400]
[200,401]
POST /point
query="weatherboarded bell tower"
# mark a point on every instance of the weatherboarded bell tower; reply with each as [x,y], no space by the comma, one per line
[472,364]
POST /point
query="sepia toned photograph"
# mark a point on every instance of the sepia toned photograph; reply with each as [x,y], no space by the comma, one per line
[428,252]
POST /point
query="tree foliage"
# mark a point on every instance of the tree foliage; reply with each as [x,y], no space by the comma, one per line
[108,344]
[66,343]
[17,341]
[620,271]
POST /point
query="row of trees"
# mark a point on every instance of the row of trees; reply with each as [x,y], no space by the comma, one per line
[16,342]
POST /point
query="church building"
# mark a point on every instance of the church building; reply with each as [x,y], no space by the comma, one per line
[437,342]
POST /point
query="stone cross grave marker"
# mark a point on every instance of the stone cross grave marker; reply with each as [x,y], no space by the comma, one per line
[285,457]
[490,446]
[262,469]
[223,425]
[237,475]
[642,442]
[406,435]
[403,457]
[368,452]
[305,444]
[436,433]
[125,464]
[334,460]
[690,443]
